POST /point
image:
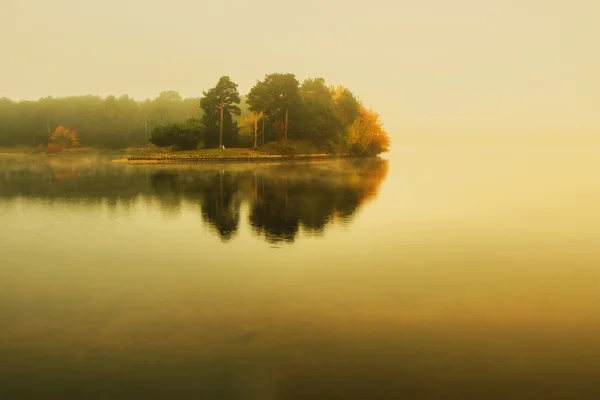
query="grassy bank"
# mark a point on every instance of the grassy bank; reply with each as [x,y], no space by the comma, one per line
[272,151]
[228,155]
[283,150]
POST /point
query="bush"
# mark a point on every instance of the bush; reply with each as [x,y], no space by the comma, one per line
[282,148]
[270,148]
[333,147]
[303,146]
[358,150]
[185,135]
[287,150]
[292,147]
[50,148]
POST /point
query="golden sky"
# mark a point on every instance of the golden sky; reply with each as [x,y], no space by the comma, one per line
[428,66]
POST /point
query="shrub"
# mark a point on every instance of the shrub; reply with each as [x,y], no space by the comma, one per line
[269,147]
[358,150]
[64,138]
[185,135]
[50,148]
[287,150]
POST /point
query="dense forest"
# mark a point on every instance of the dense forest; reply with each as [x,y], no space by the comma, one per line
[109,122]
[277,110]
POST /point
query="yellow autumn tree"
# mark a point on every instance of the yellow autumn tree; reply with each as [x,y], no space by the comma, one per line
[366,135]
[248,126]
[65,138]
[246,123]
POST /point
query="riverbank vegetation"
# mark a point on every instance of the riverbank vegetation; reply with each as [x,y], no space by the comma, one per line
[279,115]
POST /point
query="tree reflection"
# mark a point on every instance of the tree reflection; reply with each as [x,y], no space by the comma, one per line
[216,192]
[310,197]
[220,204]
[271,213]
[282,200]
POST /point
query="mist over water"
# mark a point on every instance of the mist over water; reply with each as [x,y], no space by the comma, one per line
[466,271]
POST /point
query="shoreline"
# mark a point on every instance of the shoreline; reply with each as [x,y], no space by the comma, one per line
[190,158]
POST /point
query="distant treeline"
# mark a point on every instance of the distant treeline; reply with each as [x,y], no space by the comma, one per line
[277,109]
[111,122]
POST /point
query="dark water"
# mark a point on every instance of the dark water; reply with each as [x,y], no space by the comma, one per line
[461,273]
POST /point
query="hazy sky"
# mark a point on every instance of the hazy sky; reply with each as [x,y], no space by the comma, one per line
[426,65]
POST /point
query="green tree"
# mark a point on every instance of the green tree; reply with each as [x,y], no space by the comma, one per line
[285,95]
[347,106]
[319,123]
[219,104]
[169,96]
[259,101]
[182,135]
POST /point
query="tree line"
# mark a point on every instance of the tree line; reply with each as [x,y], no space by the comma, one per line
[110,122]
[277,110]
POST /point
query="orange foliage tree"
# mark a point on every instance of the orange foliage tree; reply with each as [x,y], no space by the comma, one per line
[366,135]
[65,138]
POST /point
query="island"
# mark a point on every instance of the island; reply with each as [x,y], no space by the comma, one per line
[278,119]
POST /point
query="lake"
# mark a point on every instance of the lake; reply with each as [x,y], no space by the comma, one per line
[454,272]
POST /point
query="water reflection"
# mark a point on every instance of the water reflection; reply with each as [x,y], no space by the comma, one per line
[282,200]
[284,203]
[473,276]
[217,192]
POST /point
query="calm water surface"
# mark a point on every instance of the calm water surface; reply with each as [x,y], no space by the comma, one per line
[443,272]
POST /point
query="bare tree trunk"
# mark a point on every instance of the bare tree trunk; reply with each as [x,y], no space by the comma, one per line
[286,122]
[221,127]
[263,129]
[255,130]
